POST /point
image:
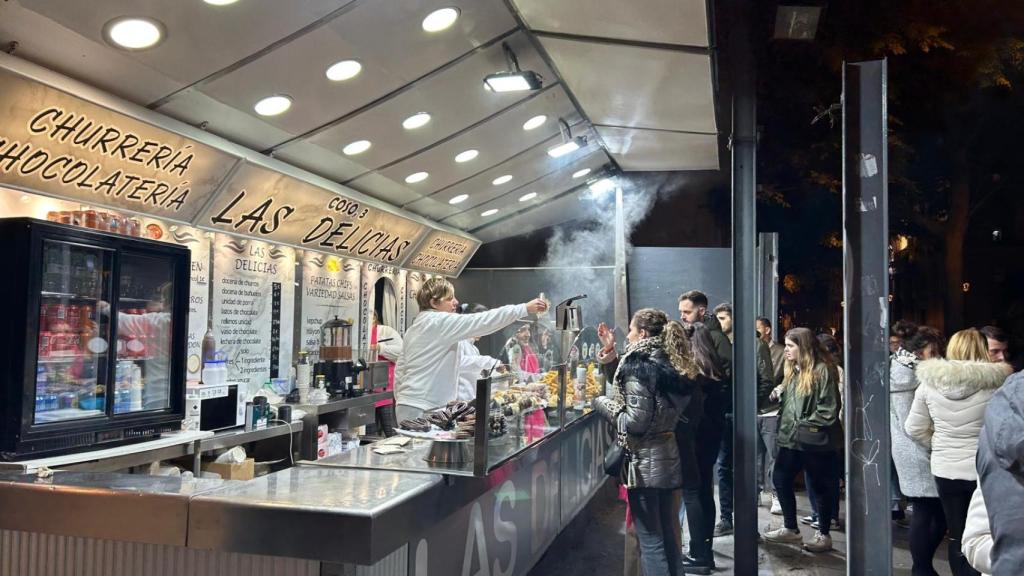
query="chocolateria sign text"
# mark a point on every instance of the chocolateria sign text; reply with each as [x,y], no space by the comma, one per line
[59,144]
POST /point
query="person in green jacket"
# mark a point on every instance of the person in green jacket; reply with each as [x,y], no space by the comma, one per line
[809,435]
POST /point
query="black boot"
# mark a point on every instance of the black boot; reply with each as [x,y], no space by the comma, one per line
[701,559]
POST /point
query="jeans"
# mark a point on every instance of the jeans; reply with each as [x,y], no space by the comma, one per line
[956,498]
[927,529]
[654,518]
[894,487]
[838,473]
[766,450]
[725,470]
[702,524]
[822,480]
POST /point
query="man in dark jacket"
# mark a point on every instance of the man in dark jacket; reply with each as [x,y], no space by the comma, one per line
[1001,470]
[693,308]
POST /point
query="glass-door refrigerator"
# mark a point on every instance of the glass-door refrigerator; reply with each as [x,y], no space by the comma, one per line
[92,352]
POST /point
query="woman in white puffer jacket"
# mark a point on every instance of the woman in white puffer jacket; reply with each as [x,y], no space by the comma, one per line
[946,416]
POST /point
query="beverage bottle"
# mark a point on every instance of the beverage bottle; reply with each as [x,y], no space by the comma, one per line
[209,345]
[41,389]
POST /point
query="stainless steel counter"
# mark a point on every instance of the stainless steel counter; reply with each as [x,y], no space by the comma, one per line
[499,451]
[339,404]
[356,516]
[329,511]
[128,507]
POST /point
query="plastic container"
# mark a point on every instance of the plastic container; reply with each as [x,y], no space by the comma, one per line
[215,372]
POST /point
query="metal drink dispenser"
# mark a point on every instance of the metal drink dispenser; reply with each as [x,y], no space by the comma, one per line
[336,340]
[569,322]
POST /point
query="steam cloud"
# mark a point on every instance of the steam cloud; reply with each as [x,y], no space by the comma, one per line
[574,252]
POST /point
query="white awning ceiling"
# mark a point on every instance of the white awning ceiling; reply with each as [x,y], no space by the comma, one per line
[635,78]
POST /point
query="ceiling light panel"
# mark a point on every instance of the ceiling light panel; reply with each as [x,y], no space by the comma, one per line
[385,37]
[658,150]
[416,177]
[500,180]
[547,188]
[652,88]
[526,167]
[466,156]
[440,20]
[560,211]
[343,70]
[200,40]
[535,122]
[489,213]
[682,22]
[273,105]
[357,147]
[131,33]
[452,96]
[497,140]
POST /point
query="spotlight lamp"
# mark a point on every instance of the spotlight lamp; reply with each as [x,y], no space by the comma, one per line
[569,144]
[513,79]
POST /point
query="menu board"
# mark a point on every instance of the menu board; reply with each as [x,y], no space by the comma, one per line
[253,308]
[198,242]
[330,287]
[442,253]
[270,205]
[59,144]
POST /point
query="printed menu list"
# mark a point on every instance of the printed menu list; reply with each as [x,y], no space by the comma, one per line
[253,308]
[330,287]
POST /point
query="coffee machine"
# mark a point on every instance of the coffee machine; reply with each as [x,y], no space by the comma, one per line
[340,371]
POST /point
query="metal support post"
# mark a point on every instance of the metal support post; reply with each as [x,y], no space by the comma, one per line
[745,285]
[865,318]
[621,309]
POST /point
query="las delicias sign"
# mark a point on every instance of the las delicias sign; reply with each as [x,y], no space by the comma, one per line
[277,207]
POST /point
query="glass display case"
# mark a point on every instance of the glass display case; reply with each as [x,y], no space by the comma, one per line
[98,356]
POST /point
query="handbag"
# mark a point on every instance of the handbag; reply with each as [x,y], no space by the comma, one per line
[613,459]
[811,437]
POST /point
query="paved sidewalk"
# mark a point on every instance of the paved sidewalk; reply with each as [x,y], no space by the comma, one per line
[592,545]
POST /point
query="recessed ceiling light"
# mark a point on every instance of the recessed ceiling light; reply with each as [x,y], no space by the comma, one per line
[527,197]
[459,199]
[535,122]
[343,70]
[273,105]
[501,179]
[416,177]
[220,2]
[581,173]
[357,147]
[134,33]
[490,212]
[415,121]
[440,19]
[466,156]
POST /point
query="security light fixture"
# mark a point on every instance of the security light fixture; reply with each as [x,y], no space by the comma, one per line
[513,79]
[569,144]
[797,22]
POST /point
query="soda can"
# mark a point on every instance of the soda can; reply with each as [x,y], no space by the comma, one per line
[45,343]
[73,317]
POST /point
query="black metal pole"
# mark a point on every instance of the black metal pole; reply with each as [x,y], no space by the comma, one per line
[744,251]
[865,318]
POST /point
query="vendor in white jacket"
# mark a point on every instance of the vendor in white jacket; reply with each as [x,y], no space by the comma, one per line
[427,375]
[473,364]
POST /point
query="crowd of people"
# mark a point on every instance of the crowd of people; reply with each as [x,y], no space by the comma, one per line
[957,437]
[956,415]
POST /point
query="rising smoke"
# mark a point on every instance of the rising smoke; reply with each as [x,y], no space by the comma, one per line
[580,256]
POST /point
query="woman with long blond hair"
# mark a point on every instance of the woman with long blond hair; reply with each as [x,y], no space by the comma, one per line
[809,436]
[946,417]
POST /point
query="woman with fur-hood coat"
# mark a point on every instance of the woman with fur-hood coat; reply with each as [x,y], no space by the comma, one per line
[949,409]
[946,416]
